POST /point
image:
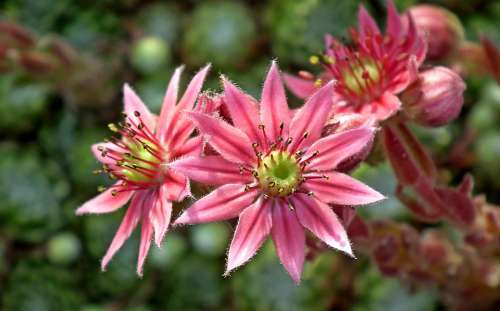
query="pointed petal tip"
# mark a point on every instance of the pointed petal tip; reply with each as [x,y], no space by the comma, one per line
[181,220]
[104,264]
[274,64]
[295,279]
[80,211]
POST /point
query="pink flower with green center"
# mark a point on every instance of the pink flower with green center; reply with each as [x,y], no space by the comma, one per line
[276,173]
[139,161]
[371,71]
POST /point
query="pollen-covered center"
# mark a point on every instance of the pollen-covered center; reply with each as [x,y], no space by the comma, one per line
[279,173]
[140,162]
[135,159]
[360,75]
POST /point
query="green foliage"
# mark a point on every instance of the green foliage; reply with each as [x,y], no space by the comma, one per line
[161,20]
[376,293]
[222,33]
[36,286]
[29,208]
[21,103]
[82,161]
[150,54]
[381,177]
[297,28]
[63,248]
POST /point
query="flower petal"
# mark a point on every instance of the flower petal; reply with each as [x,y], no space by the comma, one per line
[134,104]
[177,186]
[129,222]
[289,239]
[169,102]
[394,24]
[178,127]
[188,99]
[243,110]
[386,106]
[367,26]
[311,118]
[302,88]
[98,154]
[145,243]
[229,141]
[160,214]
[192,147]
[223,203]
[211,170]
[321,221]
[342,189]
[274,107]
[105,202]
[253,227]
[335,148]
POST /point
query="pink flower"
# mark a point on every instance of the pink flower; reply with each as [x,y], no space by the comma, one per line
[371,71]
[276,173]
[139,161]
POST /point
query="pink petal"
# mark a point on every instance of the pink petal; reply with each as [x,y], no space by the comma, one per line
[192,147]
[145,244]
[223,203]
[289,239]
[211,170]
[177,127]
[394,24]
[301,88]
[188,99]
[311,118]
[420,46]
[134,104]
[105,202]
[321,221]
[337,147]
[181,131]
[229,141]
[243,110]
[98,154]
[177,186]
[386,106]
[367,25]
[169,102]
[342,189]
[253,227]
[160,214]
[130,221]
[274,107]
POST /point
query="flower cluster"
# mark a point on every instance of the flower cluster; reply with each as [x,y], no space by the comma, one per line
[375,67]
[282,171]
[274,169]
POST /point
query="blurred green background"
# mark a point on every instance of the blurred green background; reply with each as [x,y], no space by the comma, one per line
[49,258]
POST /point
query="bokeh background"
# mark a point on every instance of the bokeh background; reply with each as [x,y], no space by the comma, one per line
[65,87]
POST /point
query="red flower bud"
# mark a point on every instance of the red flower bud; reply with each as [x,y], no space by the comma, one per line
[442,28]
[435,98]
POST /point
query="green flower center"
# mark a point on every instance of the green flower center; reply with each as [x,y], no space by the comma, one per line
[360,75]
[140,163]
[279,173]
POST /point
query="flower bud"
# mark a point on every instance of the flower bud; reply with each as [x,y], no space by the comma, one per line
[435,98]
[442,28]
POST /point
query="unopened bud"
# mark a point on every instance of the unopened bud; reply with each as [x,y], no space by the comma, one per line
[442,28]
[435,98]
[35,62]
